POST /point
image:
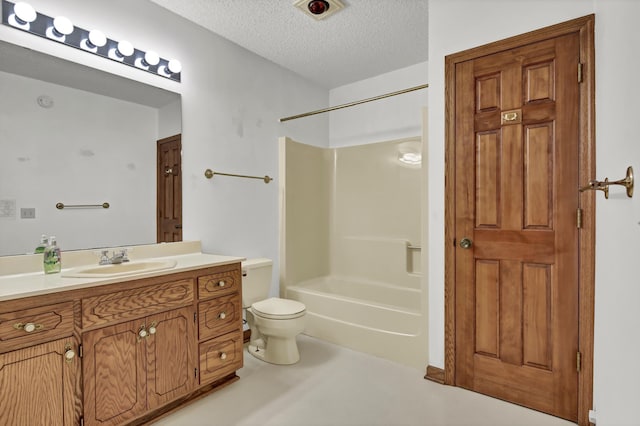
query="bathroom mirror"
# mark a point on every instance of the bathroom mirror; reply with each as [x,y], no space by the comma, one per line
[79,136]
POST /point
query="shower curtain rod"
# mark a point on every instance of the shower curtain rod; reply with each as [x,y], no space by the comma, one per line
[350,104]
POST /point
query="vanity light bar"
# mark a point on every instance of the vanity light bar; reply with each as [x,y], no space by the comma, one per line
[22,16]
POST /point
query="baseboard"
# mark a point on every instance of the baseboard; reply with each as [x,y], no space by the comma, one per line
[435,374]
[246,335]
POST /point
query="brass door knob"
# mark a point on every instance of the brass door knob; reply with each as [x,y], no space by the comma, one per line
[466,243]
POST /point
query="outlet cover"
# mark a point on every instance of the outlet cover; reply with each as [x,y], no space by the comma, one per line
[27,213]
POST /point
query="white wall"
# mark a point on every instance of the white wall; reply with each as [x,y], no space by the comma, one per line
[85,149]
[231,102]
[387,119]
[616,390]
[170,120]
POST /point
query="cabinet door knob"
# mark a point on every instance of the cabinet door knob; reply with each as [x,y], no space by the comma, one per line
[142,333]
[222,315]
[152,329]
[223,356]
[69,355]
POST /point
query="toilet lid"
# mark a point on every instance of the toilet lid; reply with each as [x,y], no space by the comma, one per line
[276,308]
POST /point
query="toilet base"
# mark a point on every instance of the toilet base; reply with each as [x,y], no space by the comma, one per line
[276,351]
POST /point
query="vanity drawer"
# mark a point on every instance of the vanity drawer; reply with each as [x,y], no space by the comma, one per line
[130,304]
[214,285]
[35,325]
[219,316]
[220,357]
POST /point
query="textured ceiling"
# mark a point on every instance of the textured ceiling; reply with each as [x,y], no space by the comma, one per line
[365,39]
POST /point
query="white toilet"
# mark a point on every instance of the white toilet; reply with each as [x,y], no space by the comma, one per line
[274,322]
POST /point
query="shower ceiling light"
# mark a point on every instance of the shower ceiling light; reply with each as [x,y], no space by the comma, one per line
[23,17]
[412,158]
[319,9]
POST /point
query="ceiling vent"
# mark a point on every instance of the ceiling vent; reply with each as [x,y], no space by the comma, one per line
[319,9]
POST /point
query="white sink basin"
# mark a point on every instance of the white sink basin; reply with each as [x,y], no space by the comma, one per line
[120,269]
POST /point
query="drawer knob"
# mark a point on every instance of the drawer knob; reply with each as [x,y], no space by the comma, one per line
[223,356]
[28,327]
[221,283]
[222,315]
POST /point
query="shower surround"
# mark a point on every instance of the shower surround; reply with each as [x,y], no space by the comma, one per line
[350,245]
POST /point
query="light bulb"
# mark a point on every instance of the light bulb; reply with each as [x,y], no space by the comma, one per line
[151,58]
[24,12]
[175,66]
[97,38]
[125,48]
[62,26]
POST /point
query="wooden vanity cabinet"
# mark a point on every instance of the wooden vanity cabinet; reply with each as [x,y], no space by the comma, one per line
[122,353]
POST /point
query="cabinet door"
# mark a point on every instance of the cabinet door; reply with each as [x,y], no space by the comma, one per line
[37,385]
[171,356]
[114,374]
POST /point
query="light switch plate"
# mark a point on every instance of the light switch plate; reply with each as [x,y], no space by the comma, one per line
[27,213]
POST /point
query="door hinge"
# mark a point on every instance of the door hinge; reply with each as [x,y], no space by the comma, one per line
[578,361]
[195,372]
[579,218]
[80,352]
[579,72]
[81,421]
[194,317]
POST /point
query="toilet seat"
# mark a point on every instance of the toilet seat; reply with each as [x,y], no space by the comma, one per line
[278,309]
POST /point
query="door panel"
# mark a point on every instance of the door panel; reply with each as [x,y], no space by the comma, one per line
[516,162]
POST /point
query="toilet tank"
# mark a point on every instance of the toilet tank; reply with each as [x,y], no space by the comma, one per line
[256,280]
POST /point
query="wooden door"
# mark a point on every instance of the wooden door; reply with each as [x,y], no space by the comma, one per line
[171,363]
[37,385]
[114,374]
[516,200]
[169,207]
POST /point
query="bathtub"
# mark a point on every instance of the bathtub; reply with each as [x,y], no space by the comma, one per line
[377,318]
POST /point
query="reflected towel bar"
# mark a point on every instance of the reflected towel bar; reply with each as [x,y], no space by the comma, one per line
[61,206]
[210,173]
[412,247]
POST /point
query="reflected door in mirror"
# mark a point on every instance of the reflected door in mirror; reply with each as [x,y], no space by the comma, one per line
[169,189]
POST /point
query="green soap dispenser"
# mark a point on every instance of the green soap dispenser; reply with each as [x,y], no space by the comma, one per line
[52,259]
[44,242]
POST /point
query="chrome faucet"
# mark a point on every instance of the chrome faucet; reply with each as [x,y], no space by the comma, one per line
[118,256]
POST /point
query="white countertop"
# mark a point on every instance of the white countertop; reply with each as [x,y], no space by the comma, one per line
[28,284]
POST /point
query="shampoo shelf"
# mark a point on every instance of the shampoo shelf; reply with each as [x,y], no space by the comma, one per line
[61,206]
